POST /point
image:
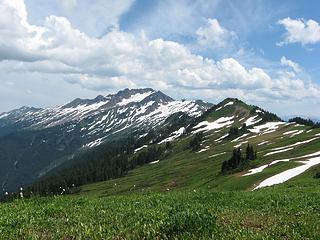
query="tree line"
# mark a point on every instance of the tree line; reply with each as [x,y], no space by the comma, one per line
[307,122]
[111,160]
[237,161]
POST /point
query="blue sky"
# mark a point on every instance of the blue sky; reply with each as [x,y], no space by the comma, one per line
[263,52]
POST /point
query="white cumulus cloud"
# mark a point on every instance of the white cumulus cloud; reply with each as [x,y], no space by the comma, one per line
[214,35]
[300,31]
[287,62]
[120,59]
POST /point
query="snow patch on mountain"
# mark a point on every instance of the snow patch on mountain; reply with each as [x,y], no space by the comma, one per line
[289,174]
[174,135]
[252,120]
[219,123]
[266,128]
[138,97]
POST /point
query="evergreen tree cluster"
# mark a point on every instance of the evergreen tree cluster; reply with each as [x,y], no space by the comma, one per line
[269,117]
[307,122]
[237,162]
[195,143]
[235,131]
[150,154]
[108,161]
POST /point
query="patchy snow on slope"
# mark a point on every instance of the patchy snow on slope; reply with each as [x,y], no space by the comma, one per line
[138,97]
[140,148]
[174,135]
[295,144]
[218,154]
[154,162]
[279,151]
[229,103]
[261,168]
[262,143]
[256,170]
[267,127]
[204,149]
[221,138]
[252,120]
[219,123]
[297,133]
[95,143]
[238,138]
[290,132]
[164,110]
[3,115]
[239,145]
[310,155]
[288,174]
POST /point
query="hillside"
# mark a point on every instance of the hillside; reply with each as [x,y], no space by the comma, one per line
[35,141]
[180,192]
[280,146]
[283,150]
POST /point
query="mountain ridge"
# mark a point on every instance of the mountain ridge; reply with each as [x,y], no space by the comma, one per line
[31,134]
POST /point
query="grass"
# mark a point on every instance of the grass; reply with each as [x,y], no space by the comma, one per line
[199,214]
[187,170]
[183,197]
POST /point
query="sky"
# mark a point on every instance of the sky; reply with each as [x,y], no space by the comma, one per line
[264,52]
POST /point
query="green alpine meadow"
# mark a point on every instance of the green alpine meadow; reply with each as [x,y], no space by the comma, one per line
[159,120]
[178,189]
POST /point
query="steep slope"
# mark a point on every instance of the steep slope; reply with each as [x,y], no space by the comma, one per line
[280,146]
[34,141]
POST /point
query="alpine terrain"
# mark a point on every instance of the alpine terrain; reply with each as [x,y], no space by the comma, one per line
[141,165]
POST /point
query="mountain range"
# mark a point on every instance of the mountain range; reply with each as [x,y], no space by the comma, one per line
[35,140]
[37,143]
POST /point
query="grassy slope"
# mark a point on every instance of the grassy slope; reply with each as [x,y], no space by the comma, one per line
[193,201]
[275,213]
[188,170]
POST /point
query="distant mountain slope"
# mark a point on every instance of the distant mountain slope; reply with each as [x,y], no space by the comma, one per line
[284,151]
[34,141]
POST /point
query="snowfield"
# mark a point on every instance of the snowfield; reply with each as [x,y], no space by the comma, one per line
[289,174]
[174,135]
[266,128]
[219,123]
[252,120]
[261,168]
[135,98]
